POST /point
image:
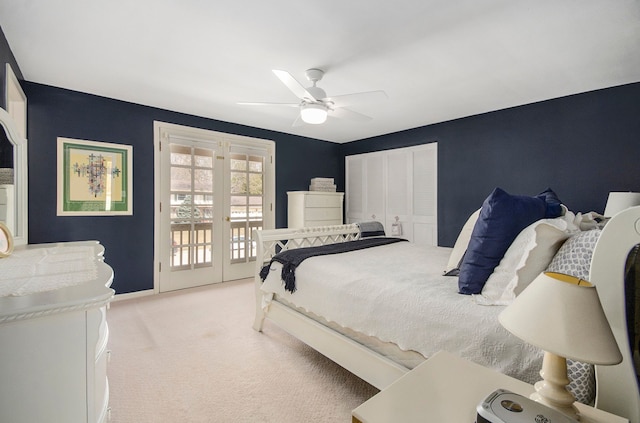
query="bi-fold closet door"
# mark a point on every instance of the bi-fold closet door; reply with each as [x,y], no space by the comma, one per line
[395,187]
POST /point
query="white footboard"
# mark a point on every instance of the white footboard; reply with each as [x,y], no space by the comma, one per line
[272,241]
[370,366]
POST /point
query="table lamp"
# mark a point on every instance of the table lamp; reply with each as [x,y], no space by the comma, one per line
[618,201]
[563,316]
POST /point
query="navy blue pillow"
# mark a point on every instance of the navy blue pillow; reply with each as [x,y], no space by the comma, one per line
[501,219]
[554,208]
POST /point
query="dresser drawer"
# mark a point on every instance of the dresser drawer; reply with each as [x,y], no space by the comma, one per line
[323,200]
[324,214]
[310,223]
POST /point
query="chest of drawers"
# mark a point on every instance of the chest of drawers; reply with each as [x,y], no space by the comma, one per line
[314,208]
[53,359]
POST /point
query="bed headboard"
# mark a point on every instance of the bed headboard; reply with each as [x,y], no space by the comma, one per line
[617,386]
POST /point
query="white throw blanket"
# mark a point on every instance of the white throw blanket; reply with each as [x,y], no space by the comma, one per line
[397,293]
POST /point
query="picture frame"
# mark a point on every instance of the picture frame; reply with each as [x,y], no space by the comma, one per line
[94,178]
[6,241]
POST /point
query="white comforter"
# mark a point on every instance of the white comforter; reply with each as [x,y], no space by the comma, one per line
[397,293]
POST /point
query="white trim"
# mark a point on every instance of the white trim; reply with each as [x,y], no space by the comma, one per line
[131,295]
[20,166]
[15,101]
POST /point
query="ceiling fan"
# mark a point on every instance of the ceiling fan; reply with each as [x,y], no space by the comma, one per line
[314,104]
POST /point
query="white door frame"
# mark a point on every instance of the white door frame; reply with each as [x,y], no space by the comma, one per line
[161,130]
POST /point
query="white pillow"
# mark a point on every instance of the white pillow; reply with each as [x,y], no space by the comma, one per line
[528,256]
[460,247]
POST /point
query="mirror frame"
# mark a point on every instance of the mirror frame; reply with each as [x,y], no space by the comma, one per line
[20,163]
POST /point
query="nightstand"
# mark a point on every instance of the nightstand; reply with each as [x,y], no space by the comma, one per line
[447,388]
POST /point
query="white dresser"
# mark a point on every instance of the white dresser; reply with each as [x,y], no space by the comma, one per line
[54,333]
[314,208]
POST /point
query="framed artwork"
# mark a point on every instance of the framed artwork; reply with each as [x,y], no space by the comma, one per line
[94,178]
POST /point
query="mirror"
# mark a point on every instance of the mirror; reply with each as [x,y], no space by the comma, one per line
[13,180]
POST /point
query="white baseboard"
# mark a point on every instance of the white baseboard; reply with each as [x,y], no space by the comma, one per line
[130,295]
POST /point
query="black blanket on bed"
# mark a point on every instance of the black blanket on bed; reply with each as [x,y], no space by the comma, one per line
[291,259]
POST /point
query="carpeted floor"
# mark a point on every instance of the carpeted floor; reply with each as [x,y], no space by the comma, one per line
[192,356]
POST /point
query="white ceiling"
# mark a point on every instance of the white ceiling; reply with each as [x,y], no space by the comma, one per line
[436,59]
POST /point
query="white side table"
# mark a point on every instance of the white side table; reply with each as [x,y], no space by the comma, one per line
[447,388]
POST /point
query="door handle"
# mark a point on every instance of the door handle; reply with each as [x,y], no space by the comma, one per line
[228,219]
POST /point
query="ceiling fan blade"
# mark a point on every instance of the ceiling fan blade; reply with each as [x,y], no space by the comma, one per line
[343,113]
[298,122]
[357,98]
[295,87]
[269,104]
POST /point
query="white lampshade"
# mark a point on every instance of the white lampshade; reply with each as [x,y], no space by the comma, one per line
[313,113]
[619,201]
[563,315]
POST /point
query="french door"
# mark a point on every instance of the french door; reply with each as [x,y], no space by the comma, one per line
[214,190]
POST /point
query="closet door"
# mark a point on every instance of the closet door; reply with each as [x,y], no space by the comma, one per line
[355,177]
[397,192]
[365,175]
[424,194]
[398,188]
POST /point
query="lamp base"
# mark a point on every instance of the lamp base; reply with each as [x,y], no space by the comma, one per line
[552,389]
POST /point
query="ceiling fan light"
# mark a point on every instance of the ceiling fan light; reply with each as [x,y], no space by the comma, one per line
[314,114]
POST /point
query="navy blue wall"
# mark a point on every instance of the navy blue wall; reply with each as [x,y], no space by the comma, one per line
[582,146]
[128,240]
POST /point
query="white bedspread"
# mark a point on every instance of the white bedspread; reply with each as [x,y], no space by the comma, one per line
[397,293]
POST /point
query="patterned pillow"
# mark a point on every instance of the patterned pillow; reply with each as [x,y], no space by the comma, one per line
[582,385]
[574,257]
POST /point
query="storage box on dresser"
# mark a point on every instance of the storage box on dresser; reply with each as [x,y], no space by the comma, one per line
[314,208]
[53,349]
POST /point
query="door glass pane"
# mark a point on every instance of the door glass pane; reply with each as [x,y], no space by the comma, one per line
[180,179]
[191,208]
[255,164]
[203,157]
[180,155]
[246,204]
[255,184]
[203,180]
[238,162]
[238,183]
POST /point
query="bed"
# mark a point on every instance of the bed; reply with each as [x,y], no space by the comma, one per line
[379,357]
